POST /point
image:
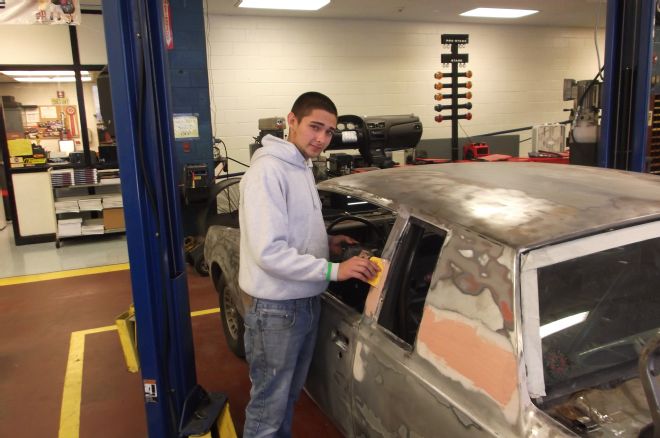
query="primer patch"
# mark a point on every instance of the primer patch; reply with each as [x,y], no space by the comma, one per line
[469,353]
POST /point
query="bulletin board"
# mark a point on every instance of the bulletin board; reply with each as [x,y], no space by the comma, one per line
[48,121]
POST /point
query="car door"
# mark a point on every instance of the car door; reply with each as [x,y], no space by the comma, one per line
[393,388]
[330,376]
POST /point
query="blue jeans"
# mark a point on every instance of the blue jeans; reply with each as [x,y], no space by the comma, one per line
[279,343]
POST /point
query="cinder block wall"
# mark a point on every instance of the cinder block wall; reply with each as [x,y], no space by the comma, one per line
[259,65]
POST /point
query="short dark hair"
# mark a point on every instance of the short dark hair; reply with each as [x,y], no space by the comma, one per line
[308,102]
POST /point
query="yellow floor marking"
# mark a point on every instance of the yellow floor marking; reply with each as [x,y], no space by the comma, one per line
[205,312]
[71,396]
[72,393]
[62,274]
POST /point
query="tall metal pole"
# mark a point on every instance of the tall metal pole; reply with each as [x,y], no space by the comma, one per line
[454,104]
[140,93]
[627,86]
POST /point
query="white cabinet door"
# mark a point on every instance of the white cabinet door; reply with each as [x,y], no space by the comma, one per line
[34,203]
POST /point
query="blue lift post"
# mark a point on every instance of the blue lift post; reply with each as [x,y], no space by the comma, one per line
[627,87]
[142,108]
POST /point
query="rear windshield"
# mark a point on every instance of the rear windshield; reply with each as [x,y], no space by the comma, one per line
[597,311]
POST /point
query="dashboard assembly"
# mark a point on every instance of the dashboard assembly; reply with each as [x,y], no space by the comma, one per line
[373,136]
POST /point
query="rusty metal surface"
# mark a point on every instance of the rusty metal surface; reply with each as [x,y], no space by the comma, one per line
[518,204]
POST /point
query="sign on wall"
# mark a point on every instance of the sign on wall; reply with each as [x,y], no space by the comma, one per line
[186,126]
[40,12]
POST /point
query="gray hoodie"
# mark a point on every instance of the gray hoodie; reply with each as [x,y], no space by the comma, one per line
[284,245]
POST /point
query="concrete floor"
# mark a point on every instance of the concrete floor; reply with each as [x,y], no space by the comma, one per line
[40,320]
[73,254]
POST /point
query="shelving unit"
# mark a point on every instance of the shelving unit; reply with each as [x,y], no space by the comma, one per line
[88,210]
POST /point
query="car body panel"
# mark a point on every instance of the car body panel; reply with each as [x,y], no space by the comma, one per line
[222,250]
[516,204]
[330,377]
[464,339]
[465,373]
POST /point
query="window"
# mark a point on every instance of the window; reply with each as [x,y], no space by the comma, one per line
[589,306]
[365,222]
[51,106]
[597,312]
[410,280]
[41,80]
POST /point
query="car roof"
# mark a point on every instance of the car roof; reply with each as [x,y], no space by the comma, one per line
[521,205]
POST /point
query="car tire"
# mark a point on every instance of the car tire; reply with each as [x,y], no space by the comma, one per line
[232,321]
[201,267]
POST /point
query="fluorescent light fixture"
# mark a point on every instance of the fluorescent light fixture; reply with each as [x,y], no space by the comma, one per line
[498,13]
[562,324]
[51,79]
[296,5]
[48,73]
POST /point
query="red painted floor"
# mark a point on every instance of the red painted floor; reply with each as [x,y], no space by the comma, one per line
[36,321]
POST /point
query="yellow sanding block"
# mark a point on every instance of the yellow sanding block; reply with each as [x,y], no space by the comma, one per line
[374,281]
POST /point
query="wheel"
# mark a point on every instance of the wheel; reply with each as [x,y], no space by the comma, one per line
[232,321]
[201,267]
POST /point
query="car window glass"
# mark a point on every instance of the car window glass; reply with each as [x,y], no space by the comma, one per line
[597,312]
[410,279]
[365,222]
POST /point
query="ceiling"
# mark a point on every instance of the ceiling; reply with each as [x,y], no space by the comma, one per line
[571,13]
[562,13]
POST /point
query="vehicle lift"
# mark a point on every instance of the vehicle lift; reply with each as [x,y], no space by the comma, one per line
[175,405]
[627,85]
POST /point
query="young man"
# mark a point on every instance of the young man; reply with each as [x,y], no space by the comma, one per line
[284,263]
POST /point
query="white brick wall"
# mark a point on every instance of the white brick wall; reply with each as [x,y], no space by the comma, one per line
[259,65]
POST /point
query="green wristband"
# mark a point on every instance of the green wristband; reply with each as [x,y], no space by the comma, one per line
[328,272]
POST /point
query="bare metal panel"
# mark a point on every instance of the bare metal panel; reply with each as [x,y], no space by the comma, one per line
[518,204]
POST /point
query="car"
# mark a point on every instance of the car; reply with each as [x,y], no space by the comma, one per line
[515,299]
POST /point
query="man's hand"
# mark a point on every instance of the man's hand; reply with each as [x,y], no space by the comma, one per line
[335,243]
[357,267]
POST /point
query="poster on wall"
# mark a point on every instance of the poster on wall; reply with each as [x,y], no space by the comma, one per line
[52,121]
[40,12]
